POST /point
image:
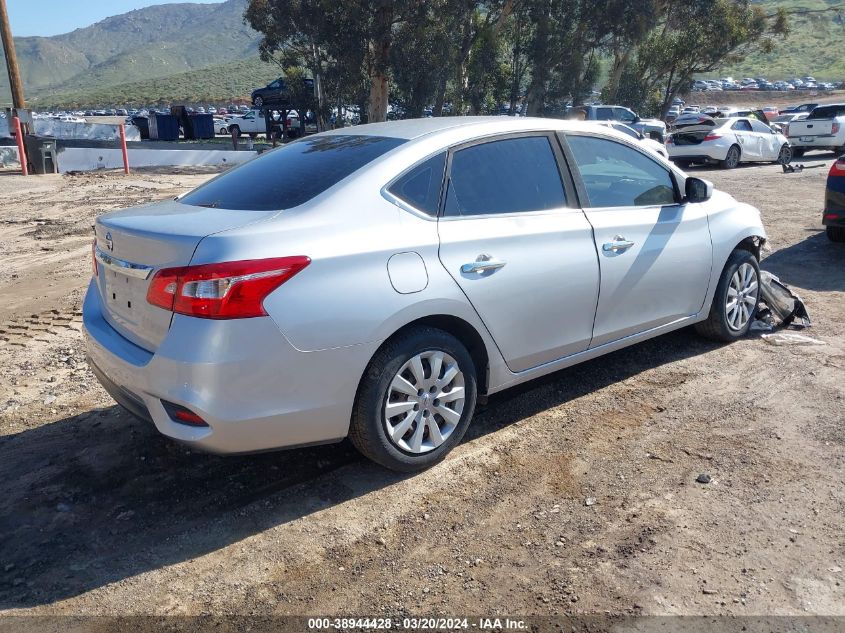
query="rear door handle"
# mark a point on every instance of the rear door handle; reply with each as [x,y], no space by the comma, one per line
[482,263]
[618,245]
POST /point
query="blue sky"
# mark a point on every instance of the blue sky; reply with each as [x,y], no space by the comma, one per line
[51,17]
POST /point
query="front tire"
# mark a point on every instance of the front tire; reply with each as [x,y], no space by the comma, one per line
[415,400]
[785,155]
[735,301]
[732,158]
[836,233]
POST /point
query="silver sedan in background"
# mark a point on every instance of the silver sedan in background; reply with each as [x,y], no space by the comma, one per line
[375,282]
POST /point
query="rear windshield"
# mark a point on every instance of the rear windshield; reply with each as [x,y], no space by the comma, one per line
[291,175]
[827,112]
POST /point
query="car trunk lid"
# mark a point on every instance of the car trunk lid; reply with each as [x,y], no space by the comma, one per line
[135,243]
[693,135]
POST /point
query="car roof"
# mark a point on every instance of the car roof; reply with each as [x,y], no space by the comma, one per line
[415,128]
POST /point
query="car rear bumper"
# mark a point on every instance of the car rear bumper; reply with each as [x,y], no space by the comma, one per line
[695,153]
[818,142]
[253,388]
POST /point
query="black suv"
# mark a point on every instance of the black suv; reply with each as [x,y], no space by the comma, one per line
[276,93]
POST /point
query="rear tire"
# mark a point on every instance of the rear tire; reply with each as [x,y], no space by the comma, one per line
[258,102]
[836,233]
[732,158]
[797,152]
[738,287]
[407,374]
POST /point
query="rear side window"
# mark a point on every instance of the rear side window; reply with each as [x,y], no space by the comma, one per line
[827,112]
[741,126]
[420,187]
[291,175]
[616,175]
[506,176]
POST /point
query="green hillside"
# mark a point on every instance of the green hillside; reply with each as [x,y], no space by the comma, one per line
[813,47]
[157,41]
[216,84]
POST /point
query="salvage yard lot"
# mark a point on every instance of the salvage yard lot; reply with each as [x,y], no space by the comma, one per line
[101,515]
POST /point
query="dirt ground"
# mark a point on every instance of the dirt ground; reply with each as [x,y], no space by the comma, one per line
[101,515]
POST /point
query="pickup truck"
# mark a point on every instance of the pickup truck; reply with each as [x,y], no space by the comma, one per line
[823,129]
[653,128]
[252,123]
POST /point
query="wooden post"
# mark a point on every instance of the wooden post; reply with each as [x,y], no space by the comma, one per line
[18,101]
[123,148]
[16,123]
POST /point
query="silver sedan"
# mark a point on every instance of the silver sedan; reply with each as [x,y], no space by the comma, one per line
[374,282]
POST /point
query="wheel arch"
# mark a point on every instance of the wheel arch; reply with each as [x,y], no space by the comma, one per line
[462,330]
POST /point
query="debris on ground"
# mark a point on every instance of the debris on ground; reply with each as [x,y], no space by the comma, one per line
[703,478]
[790,338]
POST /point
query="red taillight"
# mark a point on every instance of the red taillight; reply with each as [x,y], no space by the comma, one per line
[670,140]
[831,216]
[230,290]
[94,258]
[785,129]
[838,168]
[712,137]
[834,128]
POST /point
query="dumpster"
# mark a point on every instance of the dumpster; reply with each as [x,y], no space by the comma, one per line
[41,154]
[200,126]
[143,125]
[164,127]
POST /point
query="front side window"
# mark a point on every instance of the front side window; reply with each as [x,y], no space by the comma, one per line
[291,175]
[505,176]
[420,187]
[623,114]
[616,175]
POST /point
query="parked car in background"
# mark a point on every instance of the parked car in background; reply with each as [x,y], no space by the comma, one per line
[728,142]
[276,93]
[823,129]
[771,113]
[804,107]
[232,317]
[833,217]
[646,141]
[649,127]
[781,122]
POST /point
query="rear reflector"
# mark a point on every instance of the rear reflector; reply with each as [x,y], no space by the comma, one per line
[94,257]
[831,216]
[182,415]
[229,290]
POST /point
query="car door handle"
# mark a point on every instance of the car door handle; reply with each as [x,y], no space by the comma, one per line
[482,263]
[618,245]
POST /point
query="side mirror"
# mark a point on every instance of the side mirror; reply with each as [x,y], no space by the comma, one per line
[698,189]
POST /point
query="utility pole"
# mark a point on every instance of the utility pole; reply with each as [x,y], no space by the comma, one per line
[18,101]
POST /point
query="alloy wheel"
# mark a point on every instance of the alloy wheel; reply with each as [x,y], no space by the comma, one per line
[785,156]
[733,157]
[425,401]
[741,297]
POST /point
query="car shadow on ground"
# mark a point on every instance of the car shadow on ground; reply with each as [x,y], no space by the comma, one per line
[816,160]
[808,263]
[100,497]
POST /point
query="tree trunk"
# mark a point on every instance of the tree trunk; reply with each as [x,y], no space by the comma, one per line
[619,63]
[441,95]
[380,63]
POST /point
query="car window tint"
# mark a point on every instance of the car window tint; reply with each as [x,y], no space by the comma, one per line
[741,126]
[620,127]
[759,126]
[420,187]
[291,175]
[616,175]
[827,112]
[604,114]
[506,176]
